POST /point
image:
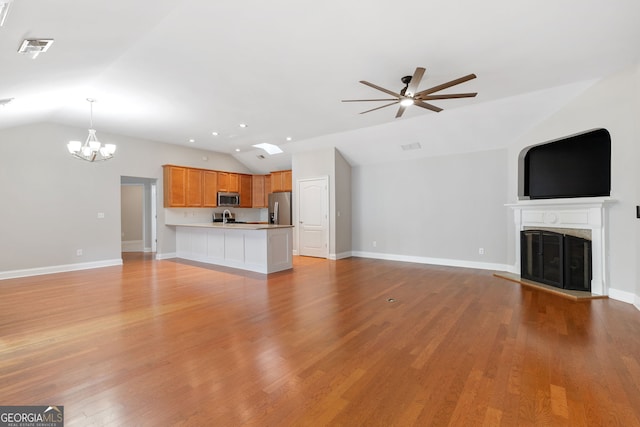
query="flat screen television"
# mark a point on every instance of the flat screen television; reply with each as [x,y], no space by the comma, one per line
[577,166]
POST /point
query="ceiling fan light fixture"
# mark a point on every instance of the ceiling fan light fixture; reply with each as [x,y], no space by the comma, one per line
[406,102]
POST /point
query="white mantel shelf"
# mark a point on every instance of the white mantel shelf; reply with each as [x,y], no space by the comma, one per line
[586,213]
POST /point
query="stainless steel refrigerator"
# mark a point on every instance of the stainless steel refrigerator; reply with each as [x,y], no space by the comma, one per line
[280,208]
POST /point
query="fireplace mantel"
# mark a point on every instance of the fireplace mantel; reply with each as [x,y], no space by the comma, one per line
[585,213]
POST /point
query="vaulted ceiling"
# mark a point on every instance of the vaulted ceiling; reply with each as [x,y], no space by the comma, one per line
[175,71]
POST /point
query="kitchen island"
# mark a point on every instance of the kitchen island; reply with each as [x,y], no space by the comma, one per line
[262,248]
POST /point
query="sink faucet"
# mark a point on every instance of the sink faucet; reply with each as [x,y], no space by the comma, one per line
[224,215]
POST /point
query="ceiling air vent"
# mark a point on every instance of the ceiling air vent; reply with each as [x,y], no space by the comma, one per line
[414,146]
[35,47]
[260,156]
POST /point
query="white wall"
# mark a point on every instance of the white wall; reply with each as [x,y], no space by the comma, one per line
[51,200]
[613,104]
[342,214]
[435,210]
[328,163]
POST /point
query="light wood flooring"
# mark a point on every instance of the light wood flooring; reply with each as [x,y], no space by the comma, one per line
[163,343]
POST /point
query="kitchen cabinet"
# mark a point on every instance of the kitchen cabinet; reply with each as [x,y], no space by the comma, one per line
[193,188]
[228,182]
[281,181]
[210,189]
[174,186]
[245,190]
[261,190]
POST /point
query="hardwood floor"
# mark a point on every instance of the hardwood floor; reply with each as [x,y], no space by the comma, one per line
[160,343]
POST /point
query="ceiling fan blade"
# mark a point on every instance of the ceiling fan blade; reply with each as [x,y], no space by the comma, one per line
[400,111]
[446,85]
[365,100]
[415,81]
[377,108]
[427,106]
[447,96]
[381,89]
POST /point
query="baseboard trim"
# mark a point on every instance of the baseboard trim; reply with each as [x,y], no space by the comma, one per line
[167,255]
[132,246]
[624,296]
[433,261]
[14,274]
[340,255]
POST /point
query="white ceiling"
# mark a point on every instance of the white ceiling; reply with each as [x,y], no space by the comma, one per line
[171,70]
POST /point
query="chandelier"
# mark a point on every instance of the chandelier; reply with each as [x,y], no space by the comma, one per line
[92,149]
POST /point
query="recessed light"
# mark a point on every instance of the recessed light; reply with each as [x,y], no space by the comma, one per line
[237,149]
[243,125]
[289,138]
[192,140]
[214,133]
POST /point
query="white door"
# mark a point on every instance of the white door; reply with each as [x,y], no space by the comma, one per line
[313,217]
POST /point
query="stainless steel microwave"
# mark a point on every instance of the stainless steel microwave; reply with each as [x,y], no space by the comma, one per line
[228,199]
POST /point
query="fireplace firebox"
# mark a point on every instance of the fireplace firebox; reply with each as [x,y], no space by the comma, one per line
[556,259]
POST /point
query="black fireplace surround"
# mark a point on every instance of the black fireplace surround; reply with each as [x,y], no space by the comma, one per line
[556,259]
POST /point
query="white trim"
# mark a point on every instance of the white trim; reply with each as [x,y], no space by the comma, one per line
[623,296]
[132,246]
[167,255]
[14,274]
[434,261]
[341,255]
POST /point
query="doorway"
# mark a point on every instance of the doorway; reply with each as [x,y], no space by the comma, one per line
[313,217]
[138,227]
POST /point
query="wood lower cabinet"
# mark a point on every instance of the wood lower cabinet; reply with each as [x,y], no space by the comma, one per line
[228,182]
[281,181]
[246,191]
[175,186]
[210,189]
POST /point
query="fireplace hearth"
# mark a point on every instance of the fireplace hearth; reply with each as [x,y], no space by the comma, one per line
[557,259]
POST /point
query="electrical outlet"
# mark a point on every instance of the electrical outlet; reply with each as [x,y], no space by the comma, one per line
[100,215]
[79,252]
[481,251]
[375,243]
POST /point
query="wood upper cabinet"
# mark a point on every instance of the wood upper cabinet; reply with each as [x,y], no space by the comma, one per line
[194,187]
[281,181]
[246,191]
[287,178]
[229,182]
[260,193]
[175,186]
[210,189]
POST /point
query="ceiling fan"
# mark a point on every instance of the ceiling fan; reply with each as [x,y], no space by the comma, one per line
[409,96]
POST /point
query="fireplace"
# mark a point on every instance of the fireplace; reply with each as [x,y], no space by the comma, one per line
[557,259]
[583,215]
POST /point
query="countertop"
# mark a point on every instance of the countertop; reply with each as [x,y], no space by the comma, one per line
[235,226]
